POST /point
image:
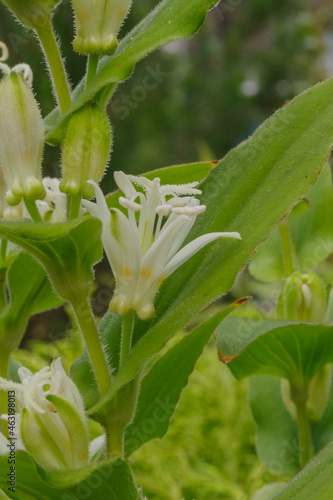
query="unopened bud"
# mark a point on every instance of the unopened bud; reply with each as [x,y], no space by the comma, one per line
[34,14]
[86,150]
[303,298]
[22,139]
[97,24]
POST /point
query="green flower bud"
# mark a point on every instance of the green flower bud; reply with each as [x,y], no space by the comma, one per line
[303,298]
[86,150]
[32,13]
[97,24]
[21,137]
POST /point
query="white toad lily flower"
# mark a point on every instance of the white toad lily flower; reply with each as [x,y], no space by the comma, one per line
[53,423]
[142,254]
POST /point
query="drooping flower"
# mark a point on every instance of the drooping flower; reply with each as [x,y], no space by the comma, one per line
[97,24]
[32,13]
[21,135]
[143,252]
[86,150]
[53,423]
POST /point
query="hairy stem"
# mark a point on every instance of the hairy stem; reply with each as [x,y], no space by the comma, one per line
[92,67]
[284,229]
[299,395]
[53,57]
[74,203]
[89,332]
[33,210]
[126,337]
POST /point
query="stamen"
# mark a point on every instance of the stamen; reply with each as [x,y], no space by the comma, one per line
[189,210]
[4,68]
[130,205]
[163,210]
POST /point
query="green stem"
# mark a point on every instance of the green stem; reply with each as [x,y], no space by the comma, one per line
[74,201]
[299,395]
[3,294]
[284,229]
[89,331]
[126,337]
[4,245]
[54,60]
[92,67]
[4,363]
[33,210]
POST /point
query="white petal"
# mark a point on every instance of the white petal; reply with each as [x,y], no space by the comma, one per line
[193,247]
[103,209]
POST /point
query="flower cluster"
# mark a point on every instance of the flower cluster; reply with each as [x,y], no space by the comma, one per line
[144,248]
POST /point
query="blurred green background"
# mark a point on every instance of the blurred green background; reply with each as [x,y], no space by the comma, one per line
[206,95]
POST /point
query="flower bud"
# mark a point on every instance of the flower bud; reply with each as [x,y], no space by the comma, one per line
[303,298]
[21,138]
[86,150]
[32,13]
[97,24]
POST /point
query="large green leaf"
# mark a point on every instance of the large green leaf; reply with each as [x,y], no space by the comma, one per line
[277,440]
[162,386]
[249,191]
[30,293]
[315,482]
[311,235]
[63,249]
[170,20]
[293,351]
[111,480]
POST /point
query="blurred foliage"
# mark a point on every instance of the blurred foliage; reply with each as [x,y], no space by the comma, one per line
[209,92]
[209,450]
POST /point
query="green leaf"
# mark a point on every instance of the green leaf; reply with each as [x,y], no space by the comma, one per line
[29,485]
[266,492]
[63,249]
[176,174]
[291,351]
[170,20]
[277,441]
[162,386]
[111,480]
[314,482]
[30,293]
[249,191]
[311,235]
[3,495]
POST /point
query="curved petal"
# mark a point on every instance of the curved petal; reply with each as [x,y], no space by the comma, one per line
[192,248]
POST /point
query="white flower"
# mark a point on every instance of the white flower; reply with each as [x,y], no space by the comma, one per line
[53,422]
[143,252]
[21,135]
[53,207]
